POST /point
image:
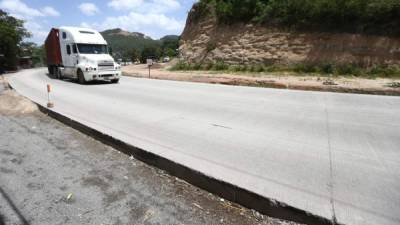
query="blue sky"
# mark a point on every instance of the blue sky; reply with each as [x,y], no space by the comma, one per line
[154,18]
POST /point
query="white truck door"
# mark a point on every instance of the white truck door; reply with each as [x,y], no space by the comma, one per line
[68,61]
[66,54]
[74,55]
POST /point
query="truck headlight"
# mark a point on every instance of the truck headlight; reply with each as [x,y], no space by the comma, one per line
[89,68]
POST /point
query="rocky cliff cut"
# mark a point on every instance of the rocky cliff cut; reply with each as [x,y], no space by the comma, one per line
[206,40]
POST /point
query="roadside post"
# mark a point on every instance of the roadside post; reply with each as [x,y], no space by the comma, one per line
[149,64]
[49,104]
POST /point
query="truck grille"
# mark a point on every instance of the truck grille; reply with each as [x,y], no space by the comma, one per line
[106,66]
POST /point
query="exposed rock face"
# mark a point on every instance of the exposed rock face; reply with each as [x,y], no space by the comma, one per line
[205,40]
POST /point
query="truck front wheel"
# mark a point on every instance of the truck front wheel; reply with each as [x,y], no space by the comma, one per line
[50,69]
[81,77]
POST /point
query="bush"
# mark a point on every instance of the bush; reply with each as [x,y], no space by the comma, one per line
[244,68]
[181,65]
[348,69]
[259,68]
[208,66]
[235,68]
[220,65]
[359,16]
[305,68]
[196,66]
[327,68]
[384,71]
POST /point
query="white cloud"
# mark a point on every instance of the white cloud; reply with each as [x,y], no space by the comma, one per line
[50,11]
[149,23]
[148,16]
[125,4]
[88,9]
[153,6]
[166,5]
[20,10]
[86,25]
[39,33]
[137,21]
[33,17]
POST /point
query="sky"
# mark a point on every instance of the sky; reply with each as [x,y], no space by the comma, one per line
[155,18]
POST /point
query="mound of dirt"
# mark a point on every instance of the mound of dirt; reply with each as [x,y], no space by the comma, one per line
[12,103]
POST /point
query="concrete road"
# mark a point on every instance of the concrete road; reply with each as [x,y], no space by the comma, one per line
[333,155]
[42,161]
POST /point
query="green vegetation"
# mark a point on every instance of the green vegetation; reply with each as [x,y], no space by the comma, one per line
[356,16]
[169,45]
[301,68]
[150,52]
[37,53]
[12,33]
[133,46]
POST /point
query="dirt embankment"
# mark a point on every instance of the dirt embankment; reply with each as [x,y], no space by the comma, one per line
[13,104]
[204,40]
[274,80]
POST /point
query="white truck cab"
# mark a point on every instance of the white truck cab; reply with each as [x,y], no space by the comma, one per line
[84,56]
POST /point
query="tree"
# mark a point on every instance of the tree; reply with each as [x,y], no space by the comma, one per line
[170,52]
[169,44]
[37,53]
[126,56]
[12,32]
[150,52]
[135,55]
[39,56]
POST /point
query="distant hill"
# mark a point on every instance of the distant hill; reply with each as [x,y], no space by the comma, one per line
[123,42]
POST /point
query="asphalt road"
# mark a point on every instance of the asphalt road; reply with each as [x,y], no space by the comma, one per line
[333,155]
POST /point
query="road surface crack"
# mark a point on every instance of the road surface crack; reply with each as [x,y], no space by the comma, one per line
[330,184]
[217,125]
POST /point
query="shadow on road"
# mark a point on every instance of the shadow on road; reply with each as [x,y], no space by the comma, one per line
[14,208]
[76,82]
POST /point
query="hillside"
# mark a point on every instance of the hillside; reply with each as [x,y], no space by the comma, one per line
[380,17]
[227,32]
[124,42]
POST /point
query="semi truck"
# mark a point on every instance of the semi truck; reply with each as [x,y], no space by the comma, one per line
[81,54]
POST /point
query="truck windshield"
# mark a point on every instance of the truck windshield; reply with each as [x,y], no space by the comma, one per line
[92,49]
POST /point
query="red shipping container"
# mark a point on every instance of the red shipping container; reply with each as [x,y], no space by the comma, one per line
[53,51]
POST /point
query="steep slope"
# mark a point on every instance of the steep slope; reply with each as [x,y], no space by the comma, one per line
[205,39]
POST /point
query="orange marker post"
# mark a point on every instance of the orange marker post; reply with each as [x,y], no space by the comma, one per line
[49,104]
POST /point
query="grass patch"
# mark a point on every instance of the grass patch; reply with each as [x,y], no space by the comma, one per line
[354,70]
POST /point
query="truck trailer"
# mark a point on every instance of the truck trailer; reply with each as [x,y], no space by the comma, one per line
[80,53]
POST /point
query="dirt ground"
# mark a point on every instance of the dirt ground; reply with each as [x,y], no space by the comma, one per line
[284,80]
[53,174]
